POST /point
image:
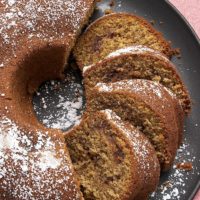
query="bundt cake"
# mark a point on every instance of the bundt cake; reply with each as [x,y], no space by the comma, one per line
[138,62]
[36,38]
[105,156]
[115,31]
[113,160]
[148,106]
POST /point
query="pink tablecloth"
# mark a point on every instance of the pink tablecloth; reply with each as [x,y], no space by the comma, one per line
[191,10]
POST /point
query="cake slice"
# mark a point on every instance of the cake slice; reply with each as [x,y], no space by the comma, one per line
[112,159]
[115,31]
[146,105]
[138,62]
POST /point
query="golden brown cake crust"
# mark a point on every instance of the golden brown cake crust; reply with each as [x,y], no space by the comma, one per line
[35,41]
[84,44]
[154,96]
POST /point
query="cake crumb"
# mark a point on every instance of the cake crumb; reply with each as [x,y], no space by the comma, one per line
[167,184]
[112,3]
[177,52]
[153,22]
[184,166]
[108,11]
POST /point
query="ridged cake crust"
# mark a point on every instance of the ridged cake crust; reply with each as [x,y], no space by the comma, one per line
[36,38]
[115,31]
[136,100]
[138,62]
[143,173]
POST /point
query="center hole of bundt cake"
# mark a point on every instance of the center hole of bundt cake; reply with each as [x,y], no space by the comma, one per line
[60,103]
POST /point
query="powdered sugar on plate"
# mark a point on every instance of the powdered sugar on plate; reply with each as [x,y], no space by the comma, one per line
[60,104]
[175,186]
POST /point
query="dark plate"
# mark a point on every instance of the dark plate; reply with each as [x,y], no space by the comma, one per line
[180,184]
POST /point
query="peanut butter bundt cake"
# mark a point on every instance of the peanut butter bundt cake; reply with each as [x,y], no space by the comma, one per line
[115,31]
[148,106]
[36,38]
[138,62]
[114,161]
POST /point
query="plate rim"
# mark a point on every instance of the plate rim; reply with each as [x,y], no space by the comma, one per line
[186,22]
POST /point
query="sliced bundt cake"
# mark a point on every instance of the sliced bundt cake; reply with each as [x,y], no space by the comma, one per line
[112,159]
[148,106]
[138,62]
[115,31]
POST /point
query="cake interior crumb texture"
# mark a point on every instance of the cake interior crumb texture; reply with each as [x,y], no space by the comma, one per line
[115,31]
[144,65]
[112,159]
[102,175]
[132,108]
[142,117]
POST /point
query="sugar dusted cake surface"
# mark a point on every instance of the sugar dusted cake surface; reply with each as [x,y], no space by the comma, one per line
[28,20]
[141,147]
[146,105]
[136,49]
[144,87]
[34,166]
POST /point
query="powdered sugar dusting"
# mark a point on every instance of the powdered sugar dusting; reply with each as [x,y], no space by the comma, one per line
[133,49]
[46,21]
[48,160]
[175,187]
[61,102]
[88,67]
[136,49]
[136,85]
[33,165]
[140,144]
[11,2]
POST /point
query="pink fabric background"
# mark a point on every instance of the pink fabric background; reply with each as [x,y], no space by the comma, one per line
[191,10]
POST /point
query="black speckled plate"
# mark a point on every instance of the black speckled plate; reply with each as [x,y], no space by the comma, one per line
[175,184]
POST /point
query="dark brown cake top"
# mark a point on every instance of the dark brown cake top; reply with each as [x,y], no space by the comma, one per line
[33,166]
[28,20]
